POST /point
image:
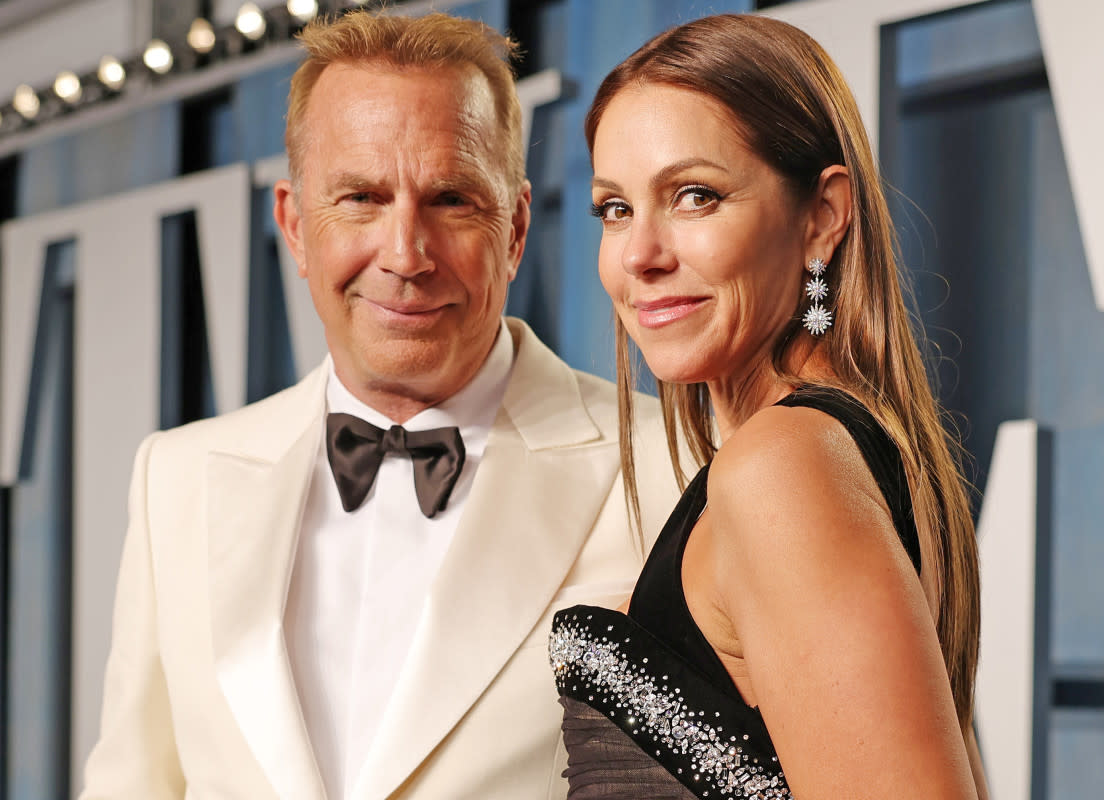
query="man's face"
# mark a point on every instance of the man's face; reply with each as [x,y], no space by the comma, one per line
[405,228]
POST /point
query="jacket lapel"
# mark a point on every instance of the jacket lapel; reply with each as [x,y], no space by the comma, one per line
[256,492]
[515,544]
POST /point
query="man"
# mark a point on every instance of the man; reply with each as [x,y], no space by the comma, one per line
[287,627]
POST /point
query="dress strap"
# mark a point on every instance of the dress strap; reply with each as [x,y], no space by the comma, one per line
[878,450]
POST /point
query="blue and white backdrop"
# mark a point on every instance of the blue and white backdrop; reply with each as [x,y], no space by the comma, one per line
[142,284]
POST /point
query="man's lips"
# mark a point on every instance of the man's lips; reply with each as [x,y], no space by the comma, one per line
[405,315]
[412,310]
[408,308]
[665,310]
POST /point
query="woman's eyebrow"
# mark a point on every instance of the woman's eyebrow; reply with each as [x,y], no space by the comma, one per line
[663,176]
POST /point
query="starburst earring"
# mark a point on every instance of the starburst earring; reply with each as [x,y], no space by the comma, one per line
[817,319]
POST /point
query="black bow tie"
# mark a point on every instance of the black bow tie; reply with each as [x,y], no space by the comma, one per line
[356,448]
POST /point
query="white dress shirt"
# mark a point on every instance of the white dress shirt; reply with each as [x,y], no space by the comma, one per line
[361,579]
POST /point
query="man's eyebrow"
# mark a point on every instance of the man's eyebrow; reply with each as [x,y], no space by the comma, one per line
[347,179]
[459,182]
[467,180]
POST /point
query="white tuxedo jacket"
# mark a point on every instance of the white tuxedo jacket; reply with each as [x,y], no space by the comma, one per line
[199,701]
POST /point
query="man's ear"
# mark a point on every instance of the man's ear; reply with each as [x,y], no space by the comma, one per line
[519,226]
[290,222]
[830,215]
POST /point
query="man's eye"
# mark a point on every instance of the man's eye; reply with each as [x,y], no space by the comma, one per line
[452,199]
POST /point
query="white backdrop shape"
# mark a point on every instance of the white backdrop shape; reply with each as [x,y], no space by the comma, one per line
[1006,666]
[117,369]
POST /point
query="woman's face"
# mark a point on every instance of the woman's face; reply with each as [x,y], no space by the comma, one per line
[703,245]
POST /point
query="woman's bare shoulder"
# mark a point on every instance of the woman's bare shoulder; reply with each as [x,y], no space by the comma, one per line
[793,460]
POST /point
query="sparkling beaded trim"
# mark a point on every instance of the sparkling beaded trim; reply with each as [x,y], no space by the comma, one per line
[594,670]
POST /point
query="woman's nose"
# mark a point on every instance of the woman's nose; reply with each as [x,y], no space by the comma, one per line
[648,248]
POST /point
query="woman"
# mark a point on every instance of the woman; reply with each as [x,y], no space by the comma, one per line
[807,623]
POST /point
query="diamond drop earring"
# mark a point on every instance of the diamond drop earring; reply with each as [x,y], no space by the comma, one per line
[817,319]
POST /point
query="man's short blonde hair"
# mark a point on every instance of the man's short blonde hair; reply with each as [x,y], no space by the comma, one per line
[431,41]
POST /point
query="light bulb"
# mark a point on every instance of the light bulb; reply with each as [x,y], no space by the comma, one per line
[250,22]
[201,36]
[111,73]
[158,57]
[67,86]
[302,10]
[26,101]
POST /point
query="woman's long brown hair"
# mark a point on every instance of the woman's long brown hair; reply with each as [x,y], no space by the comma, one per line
[796,112]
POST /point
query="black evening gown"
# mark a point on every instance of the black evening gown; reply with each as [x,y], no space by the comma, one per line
[649,709]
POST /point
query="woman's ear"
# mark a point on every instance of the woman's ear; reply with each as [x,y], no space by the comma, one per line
[830,214]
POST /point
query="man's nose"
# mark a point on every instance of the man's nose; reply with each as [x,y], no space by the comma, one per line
[648,247]
[403,251]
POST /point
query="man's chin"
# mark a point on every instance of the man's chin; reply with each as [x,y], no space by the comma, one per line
[408,362]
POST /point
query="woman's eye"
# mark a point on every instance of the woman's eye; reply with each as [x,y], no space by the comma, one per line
[696,198]
[610,211]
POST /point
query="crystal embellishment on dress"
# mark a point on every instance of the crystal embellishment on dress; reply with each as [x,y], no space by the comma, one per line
[817,318]
[583,662]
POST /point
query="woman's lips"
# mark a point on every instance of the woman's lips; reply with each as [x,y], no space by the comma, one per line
[665,310]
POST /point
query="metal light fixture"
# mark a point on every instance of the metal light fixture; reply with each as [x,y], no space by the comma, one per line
[158,57]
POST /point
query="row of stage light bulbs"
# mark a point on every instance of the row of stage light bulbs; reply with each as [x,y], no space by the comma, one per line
[157,56]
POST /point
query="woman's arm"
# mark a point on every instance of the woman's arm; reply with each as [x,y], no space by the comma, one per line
[802,560]
[976,766]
